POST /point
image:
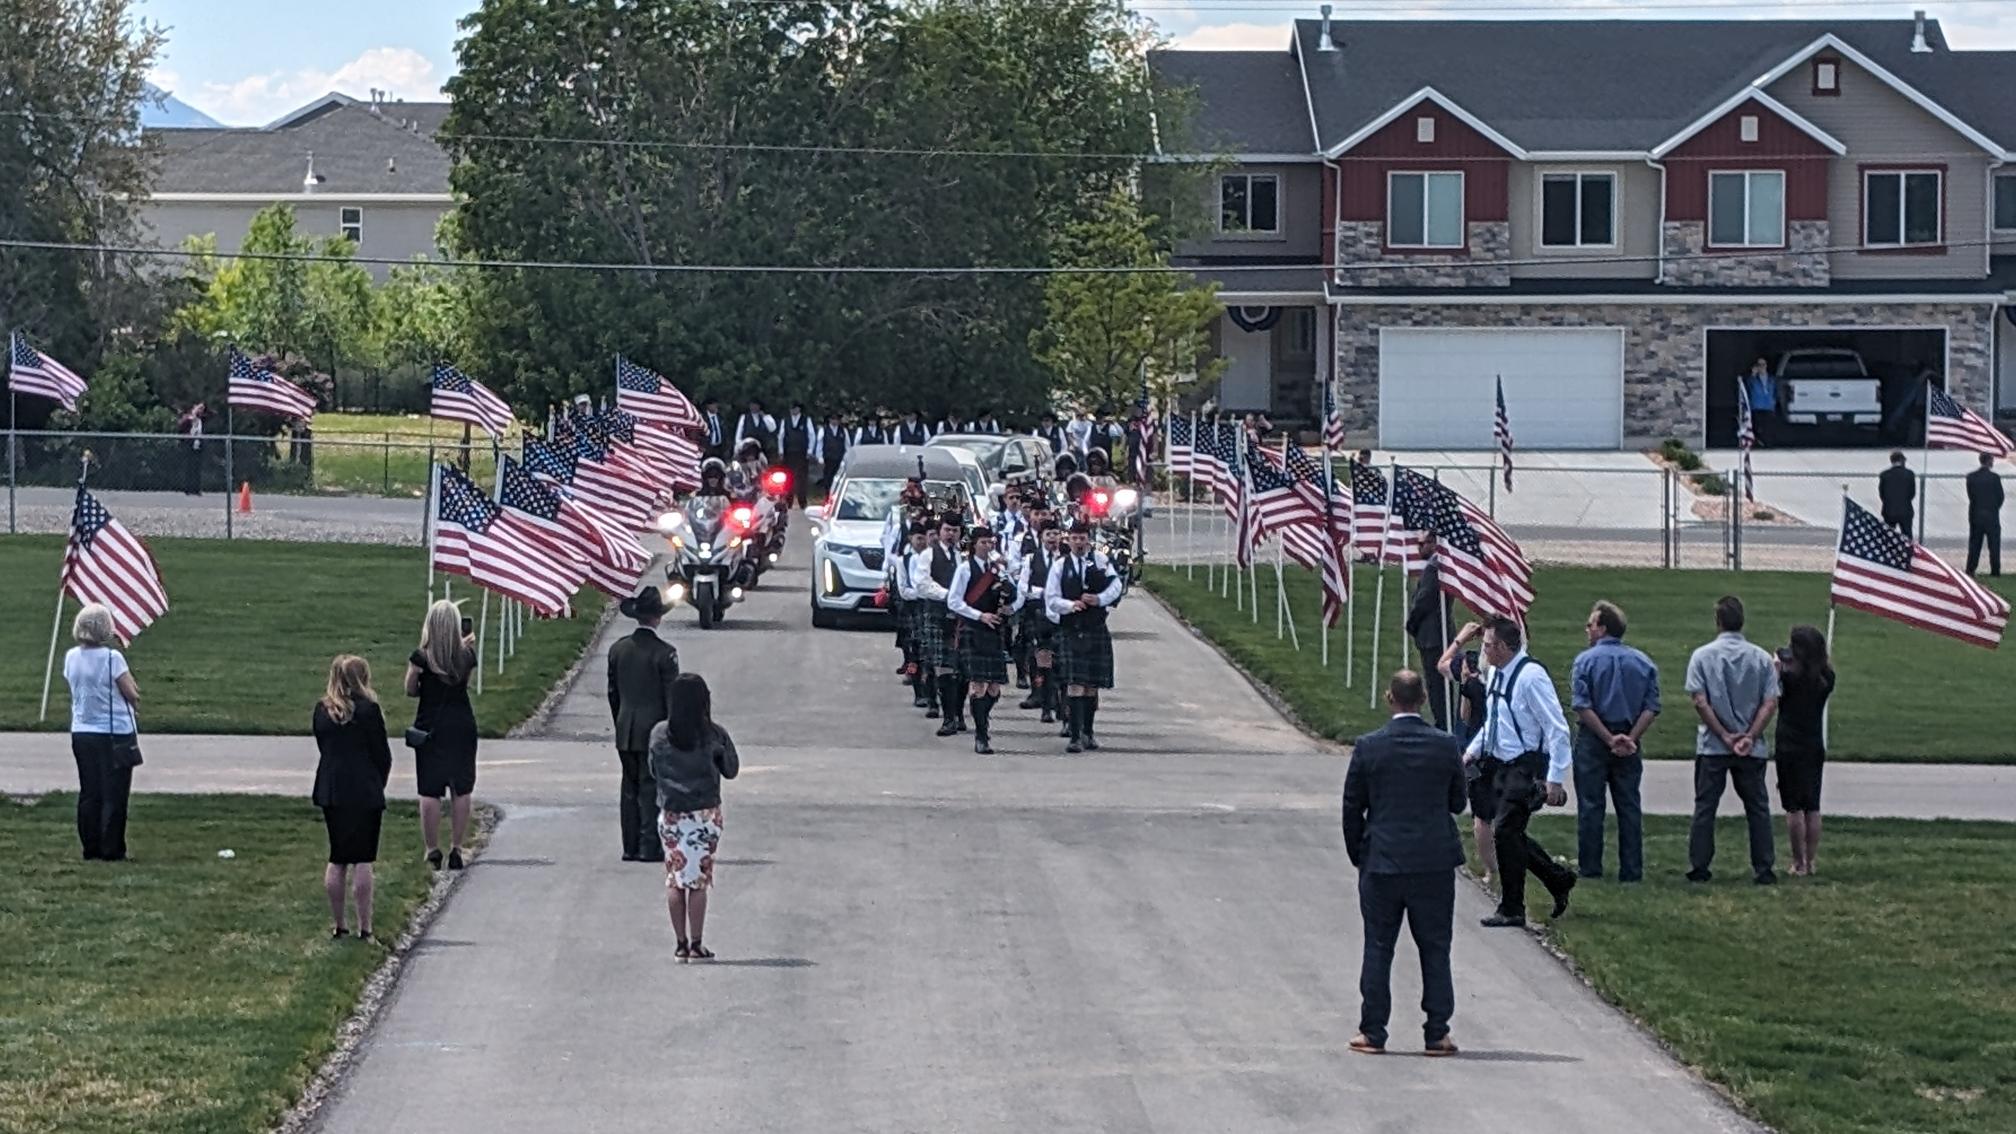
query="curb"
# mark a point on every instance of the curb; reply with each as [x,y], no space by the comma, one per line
[305,1114]
[536,721]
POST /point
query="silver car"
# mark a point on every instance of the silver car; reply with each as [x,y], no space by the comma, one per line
[849,555]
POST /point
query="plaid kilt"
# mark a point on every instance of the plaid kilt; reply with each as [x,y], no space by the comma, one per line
[1085,656]
[932,638]
[982,654]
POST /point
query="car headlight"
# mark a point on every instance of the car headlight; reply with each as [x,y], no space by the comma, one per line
[1125,498]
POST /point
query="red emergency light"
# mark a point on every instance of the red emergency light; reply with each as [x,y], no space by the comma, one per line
[743,516]
[1096,502]
[777,481]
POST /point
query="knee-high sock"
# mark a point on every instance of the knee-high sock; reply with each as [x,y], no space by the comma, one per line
[952,695]
[928,685]
[1081,715]
[983,710]
[1091,712]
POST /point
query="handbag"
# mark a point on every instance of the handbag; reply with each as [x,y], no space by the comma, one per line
[124,747]
[418,737]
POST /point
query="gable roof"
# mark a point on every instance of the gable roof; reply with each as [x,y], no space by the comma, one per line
[1241,102]
[1741,98]
[351,145]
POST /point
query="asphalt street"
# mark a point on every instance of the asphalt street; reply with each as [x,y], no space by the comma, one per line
[1158,937]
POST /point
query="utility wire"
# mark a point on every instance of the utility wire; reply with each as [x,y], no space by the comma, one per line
[965,270]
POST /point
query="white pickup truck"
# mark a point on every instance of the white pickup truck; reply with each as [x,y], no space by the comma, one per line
[1817,387]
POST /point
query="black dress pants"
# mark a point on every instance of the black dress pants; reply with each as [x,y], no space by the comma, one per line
[1437,687]
[637,802]
[1518,852]
[1428,903]
[103,785]
[800,467]
[1987,532]
[1711,773]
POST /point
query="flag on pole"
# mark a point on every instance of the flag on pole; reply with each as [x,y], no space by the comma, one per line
[29,371]
[1142,425]
[1369,512]
[610,558]
[1217,462]
[458,397]
[1325,549]
[474,536]
[256,388]
[1333,419]
[1949,425]
[1885,573]
[1277,497]
[1501,431]
[623,491]
[1480,564]
[1182,446]
[670,454]
[105,563]
[1746,439]
[647,396]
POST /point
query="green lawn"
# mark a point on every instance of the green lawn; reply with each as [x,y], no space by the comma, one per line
[386,454]
[177,993]
[245,646]
[1875,998]
[1905,695]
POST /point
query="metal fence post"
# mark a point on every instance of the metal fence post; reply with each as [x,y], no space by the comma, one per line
[1666,533]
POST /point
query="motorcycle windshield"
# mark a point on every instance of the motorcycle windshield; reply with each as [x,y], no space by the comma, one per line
[704,514]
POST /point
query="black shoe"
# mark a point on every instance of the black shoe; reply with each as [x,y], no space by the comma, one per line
[1066,730]
[1561,898]
[1030,702]
[1768,878]
[930,712]
[454,860]
[629,856]
[1074,746]
[1091,743]
[434,859]
[1048,716]
[981,747]
[1503,921]
[1699,876]
[959,724]
[949,728]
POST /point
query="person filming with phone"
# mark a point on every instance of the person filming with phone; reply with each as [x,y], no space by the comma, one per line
[443,736]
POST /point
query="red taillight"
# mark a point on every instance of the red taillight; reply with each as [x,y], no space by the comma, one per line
[778,480]
[1096,503]
[743,516]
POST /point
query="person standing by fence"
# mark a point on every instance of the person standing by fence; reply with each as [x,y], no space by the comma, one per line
[1984,516]
[190,426]
[1897,489]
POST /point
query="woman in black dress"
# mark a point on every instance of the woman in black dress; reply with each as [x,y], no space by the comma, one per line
[444,759]
[1806,680]
[350,785]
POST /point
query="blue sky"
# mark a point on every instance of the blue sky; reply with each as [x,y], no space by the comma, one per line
[245,62]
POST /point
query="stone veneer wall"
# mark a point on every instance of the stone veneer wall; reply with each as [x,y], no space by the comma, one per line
[1363,242]
[1803,263]
[1665,350]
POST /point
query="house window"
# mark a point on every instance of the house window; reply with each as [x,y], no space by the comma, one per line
[1298,335]
[1424,129]
[1747,127]
[2005,201]
[1901,208]
[1249,203]
[1578,210]
[350,223]
[1826,76]
[1424,210]
[1747,209]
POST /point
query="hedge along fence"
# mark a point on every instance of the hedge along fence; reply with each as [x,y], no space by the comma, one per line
[340,464]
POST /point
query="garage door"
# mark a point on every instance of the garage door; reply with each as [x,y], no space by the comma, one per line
[1564,389]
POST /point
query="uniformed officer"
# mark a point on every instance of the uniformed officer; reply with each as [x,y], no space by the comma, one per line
[1081,587]
[931,577]
[1038,633]
[982,598]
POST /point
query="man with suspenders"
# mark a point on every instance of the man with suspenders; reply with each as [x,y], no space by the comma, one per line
[1524,749]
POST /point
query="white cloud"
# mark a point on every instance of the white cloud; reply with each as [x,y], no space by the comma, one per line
[1235,37]
[257,99]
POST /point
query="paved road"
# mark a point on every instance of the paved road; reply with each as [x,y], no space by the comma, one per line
[1161,937]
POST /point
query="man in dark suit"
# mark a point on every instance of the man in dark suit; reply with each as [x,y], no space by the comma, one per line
[798,439]
[1984,516]
[714,440]
[1429,619]
[1897,488]
[1404,784]
[641,670]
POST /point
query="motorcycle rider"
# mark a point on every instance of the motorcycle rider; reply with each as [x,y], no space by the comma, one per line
[745,480]
[713,478]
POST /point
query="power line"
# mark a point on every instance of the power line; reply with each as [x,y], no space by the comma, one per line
[951,270]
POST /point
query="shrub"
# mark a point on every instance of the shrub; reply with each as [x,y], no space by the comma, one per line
[1711,484]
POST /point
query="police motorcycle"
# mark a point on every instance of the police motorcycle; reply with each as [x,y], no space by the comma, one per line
[708,538]
[765,489]
[1112,510]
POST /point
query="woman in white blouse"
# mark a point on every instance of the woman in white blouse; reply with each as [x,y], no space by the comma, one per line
[103,732]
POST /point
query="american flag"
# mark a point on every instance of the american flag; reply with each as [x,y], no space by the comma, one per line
[1320,481]
[29,371]
[671,455]
[611,558]
[1142,425]
[1746,439]
[1480,564]
[1333,419]
[1217,462]
[476,537]
[647,396]
[105,563]
[1276,499]
[624,492]
[458,397]
[1327,552]
[1501,432]
[252,387]
[1950,425]
[1369,512]
[1182,446]
[1883,572]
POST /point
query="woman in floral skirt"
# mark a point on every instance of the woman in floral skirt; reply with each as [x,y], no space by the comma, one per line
[690,756]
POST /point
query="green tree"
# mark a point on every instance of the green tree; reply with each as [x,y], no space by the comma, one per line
[73,168]
[1104,331]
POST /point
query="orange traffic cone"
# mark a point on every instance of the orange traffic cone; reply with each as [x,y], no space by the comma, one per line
[245,498]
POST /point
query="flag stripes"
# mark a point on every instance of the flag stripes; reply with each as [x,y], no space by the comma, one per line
[105,563]
[1884,573]
[1949,425]
[256,388]
[458,397]
[29,371]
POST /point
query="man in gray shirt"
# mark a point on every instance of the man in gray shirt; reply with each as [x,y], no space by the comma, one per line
[1735,690]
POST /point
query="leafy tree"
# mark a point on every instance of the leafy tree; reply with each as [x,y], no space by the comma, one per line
[1105,331]
[73,167]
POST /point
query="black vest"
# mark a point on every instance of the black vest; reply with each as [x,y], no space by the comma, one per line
[1076,585]
[833,445]
[943,564]
[1039,569]
[912,434]
[990,601]
[752,426]
[1055,436]
[797,437]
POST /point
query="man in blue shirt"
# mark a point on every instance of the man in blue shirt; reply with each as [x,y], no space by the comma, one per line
[1763,391]
[1615,696]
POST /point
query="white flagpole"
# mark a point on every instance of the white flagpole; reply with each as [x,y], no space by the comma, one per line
[428,518]
[1378,608]
[1824,709]
[230,431]
[1190,498]
[49,670]
[1350,613]
[482,627]
[1925,461]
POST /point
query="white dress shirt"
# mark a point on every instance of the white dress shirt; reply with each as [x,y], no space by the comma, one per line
[904,587]
[1079,434]
[962,578]
[921,582]
[1054,602]
[742,428]
[1526,718]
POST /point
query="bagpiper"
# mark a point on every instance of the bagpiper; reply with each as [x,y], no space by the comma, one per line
[1039,633]
[916,542]
[981,598]
[1081,587]
[931,578]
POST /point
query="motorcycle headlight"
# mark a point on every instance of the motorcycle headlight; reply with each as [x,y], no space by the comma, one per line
[671,522]
[1124,499]
[706,549]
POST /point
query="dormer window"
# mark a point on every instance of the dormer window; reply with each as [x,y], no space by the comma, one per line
[1424,129]
[1826,76]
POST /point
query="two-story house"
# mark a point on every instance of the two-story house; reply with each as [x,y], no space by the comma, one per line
[1615,217]
[367,170]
